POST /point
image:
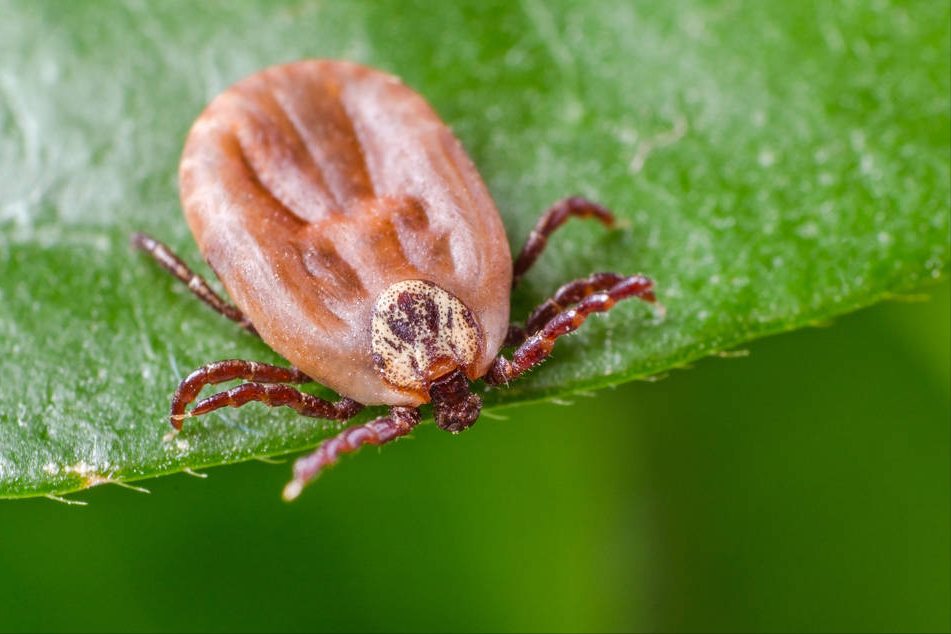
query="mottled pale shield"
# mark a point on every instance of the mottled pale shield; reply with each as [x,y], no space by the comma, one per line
[312,187]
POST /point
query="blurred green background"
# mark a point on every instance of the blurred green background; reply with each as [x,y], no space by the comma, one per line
[805,487]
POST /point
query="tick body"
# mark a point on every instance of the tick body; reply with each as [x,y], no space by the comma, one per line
[357,239]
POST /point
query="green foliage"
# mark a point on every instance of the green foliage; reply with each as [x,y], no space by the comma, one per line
[777,164]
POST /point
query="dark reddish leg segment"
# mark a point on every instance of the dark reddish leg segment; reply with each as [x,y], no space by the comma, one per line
[515,336]
[572,293]
[549,222]
[174,265]
[265,388]
[277,395]
[377,432]
[539,345]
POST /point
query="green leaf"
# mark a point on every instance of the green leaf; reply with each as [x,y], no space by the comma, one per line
[776,165]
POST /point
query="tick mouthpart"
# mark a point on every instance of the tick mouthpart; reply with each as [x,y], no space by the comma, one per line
[454,406]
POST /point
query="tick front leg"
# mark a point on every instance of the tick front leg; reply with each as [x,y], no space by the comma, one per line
[569,294]
[576,291]
[541,340]
[556,216]
[265,388]
[196,284]
[377,432]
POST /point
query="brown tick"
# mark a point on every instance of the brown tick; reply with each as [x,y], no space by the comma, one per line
[358,240]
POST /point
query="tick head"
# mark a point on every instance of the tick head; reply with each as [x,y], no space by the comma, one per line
[454,406]
[422,335]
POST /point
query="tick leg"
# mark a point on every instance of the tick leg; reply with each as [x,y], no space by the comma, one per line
[515,336]
[570,293]
[574,292]
[265,387]
[377,432]
[540,342]
[549,222]
[174,265]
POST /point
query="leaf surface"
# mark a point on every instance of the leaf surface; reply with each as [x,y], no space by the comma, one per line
[775,165]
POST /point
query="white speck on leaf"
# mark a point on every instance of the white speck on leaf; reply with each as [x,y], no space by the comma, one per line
[808,230]
[857,139]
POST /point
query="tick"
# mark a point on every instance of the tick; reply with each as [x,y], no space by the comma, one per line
[356,238]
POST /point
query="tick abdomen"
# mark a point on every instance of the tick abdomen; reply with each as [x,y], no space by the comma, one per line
[314,187]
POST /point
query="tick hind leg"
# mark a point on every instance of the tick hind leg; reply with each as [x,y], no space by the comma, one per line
[557,215]
[595,294]
[196,284]
[266,387]
[379,431]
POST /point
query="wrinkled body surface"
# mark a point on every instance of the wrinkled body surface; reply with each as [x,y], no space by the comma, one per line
[311,188]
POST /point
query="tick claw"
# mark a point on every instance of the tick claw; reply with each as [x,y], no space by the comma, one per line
[170,436]
[292,490]
[621,224]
